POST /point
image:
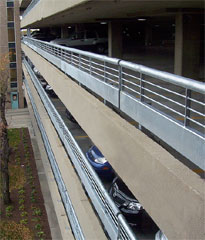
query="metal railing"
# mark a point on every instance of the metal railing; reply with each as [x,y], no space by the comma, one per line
[76,228]
[30,6]
[112,219]
[169,106]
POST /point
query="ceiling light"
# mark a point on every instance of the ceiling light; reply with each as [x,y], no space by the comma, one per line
[103,23]
[141,19]
[69,27]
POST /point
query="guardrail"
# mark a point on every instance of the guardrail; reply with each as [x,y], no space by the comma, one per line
[112,219]
[169,106]
[61,185]
[30,6]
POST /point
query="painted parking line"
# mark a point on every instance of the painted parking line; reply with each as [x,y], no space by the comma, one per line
[79,137]
[198,170]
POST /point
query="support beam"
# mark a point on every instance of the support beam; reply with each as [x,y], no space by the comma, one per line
[171,193]
[64,32]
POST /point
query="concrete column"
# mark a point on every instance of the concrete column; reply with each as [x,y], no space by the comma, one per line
[64,32]
[148,35]
[187,46]
[28,32]
[115,40]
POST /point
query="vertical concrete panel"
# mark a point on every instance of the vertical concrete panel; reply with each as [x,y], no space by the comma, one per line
[3,27]
[187,45]
[18,53]
[178,44]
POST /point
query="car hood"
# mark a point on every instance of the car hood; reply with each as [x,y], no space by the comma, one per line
[120,196]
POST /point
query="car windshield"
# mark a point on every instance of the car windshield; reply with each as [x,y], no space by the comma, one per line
[123,188]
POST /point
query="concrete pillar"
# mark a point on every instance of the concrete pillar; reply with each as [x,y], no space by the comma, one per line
[115,40]
[28,32]
[148,35]
[187,46]
[64,32]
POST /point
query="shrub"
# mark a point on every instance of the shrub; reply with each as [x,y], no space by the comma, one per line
[37,211]
[12,230]
[40,234]
[38,226]
[21,201]
[21,208]
[21,191]
[24,221]
[9,210]
[24,214]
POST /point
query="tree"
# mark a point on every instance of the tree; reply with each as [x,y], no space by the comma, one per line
[4,143]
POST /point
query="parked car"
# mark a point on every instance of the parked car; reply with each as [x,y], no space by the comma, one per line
[99,163]
[43,83]
[50,91]
[43,36]
[126,202]
[86,40]
[70,116]
[160,236]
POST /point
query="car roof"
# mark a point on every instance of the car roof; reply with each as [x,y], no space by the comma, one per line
[96,151]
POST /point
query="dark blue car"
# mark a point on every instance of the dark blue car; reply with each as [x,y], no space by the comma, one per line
[99,163]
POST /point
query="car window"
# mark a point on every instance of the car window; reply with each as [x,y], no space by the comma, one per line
[91,34]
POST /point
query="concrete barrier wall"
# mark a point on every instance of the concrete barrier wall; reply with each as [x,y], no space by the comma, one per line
[170,192]
[80,201]
[42,11]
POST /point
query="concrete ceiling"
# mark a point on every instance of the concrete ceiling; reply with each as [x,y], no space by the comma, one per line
[116,10]
[24,3]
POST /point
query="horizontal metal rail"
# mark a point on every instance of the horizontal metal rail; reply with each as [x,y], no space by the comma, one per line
[76,228]
[112,219]
[169,106]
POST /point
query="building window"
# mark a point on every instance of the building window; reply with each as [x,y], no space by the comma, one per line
[13,84]
[10,24]
[12,55]
[12,65]
[13,74]
[10,14]
[12,45]
[11,35]
[10,4]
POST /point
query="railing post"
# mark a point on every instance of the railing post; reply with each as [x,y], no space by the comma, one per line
[141,88]
[118,230]
[71,58]
[79,59]
[90,63]
[141,94]
[120,85]
[187,105]
[105,79]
